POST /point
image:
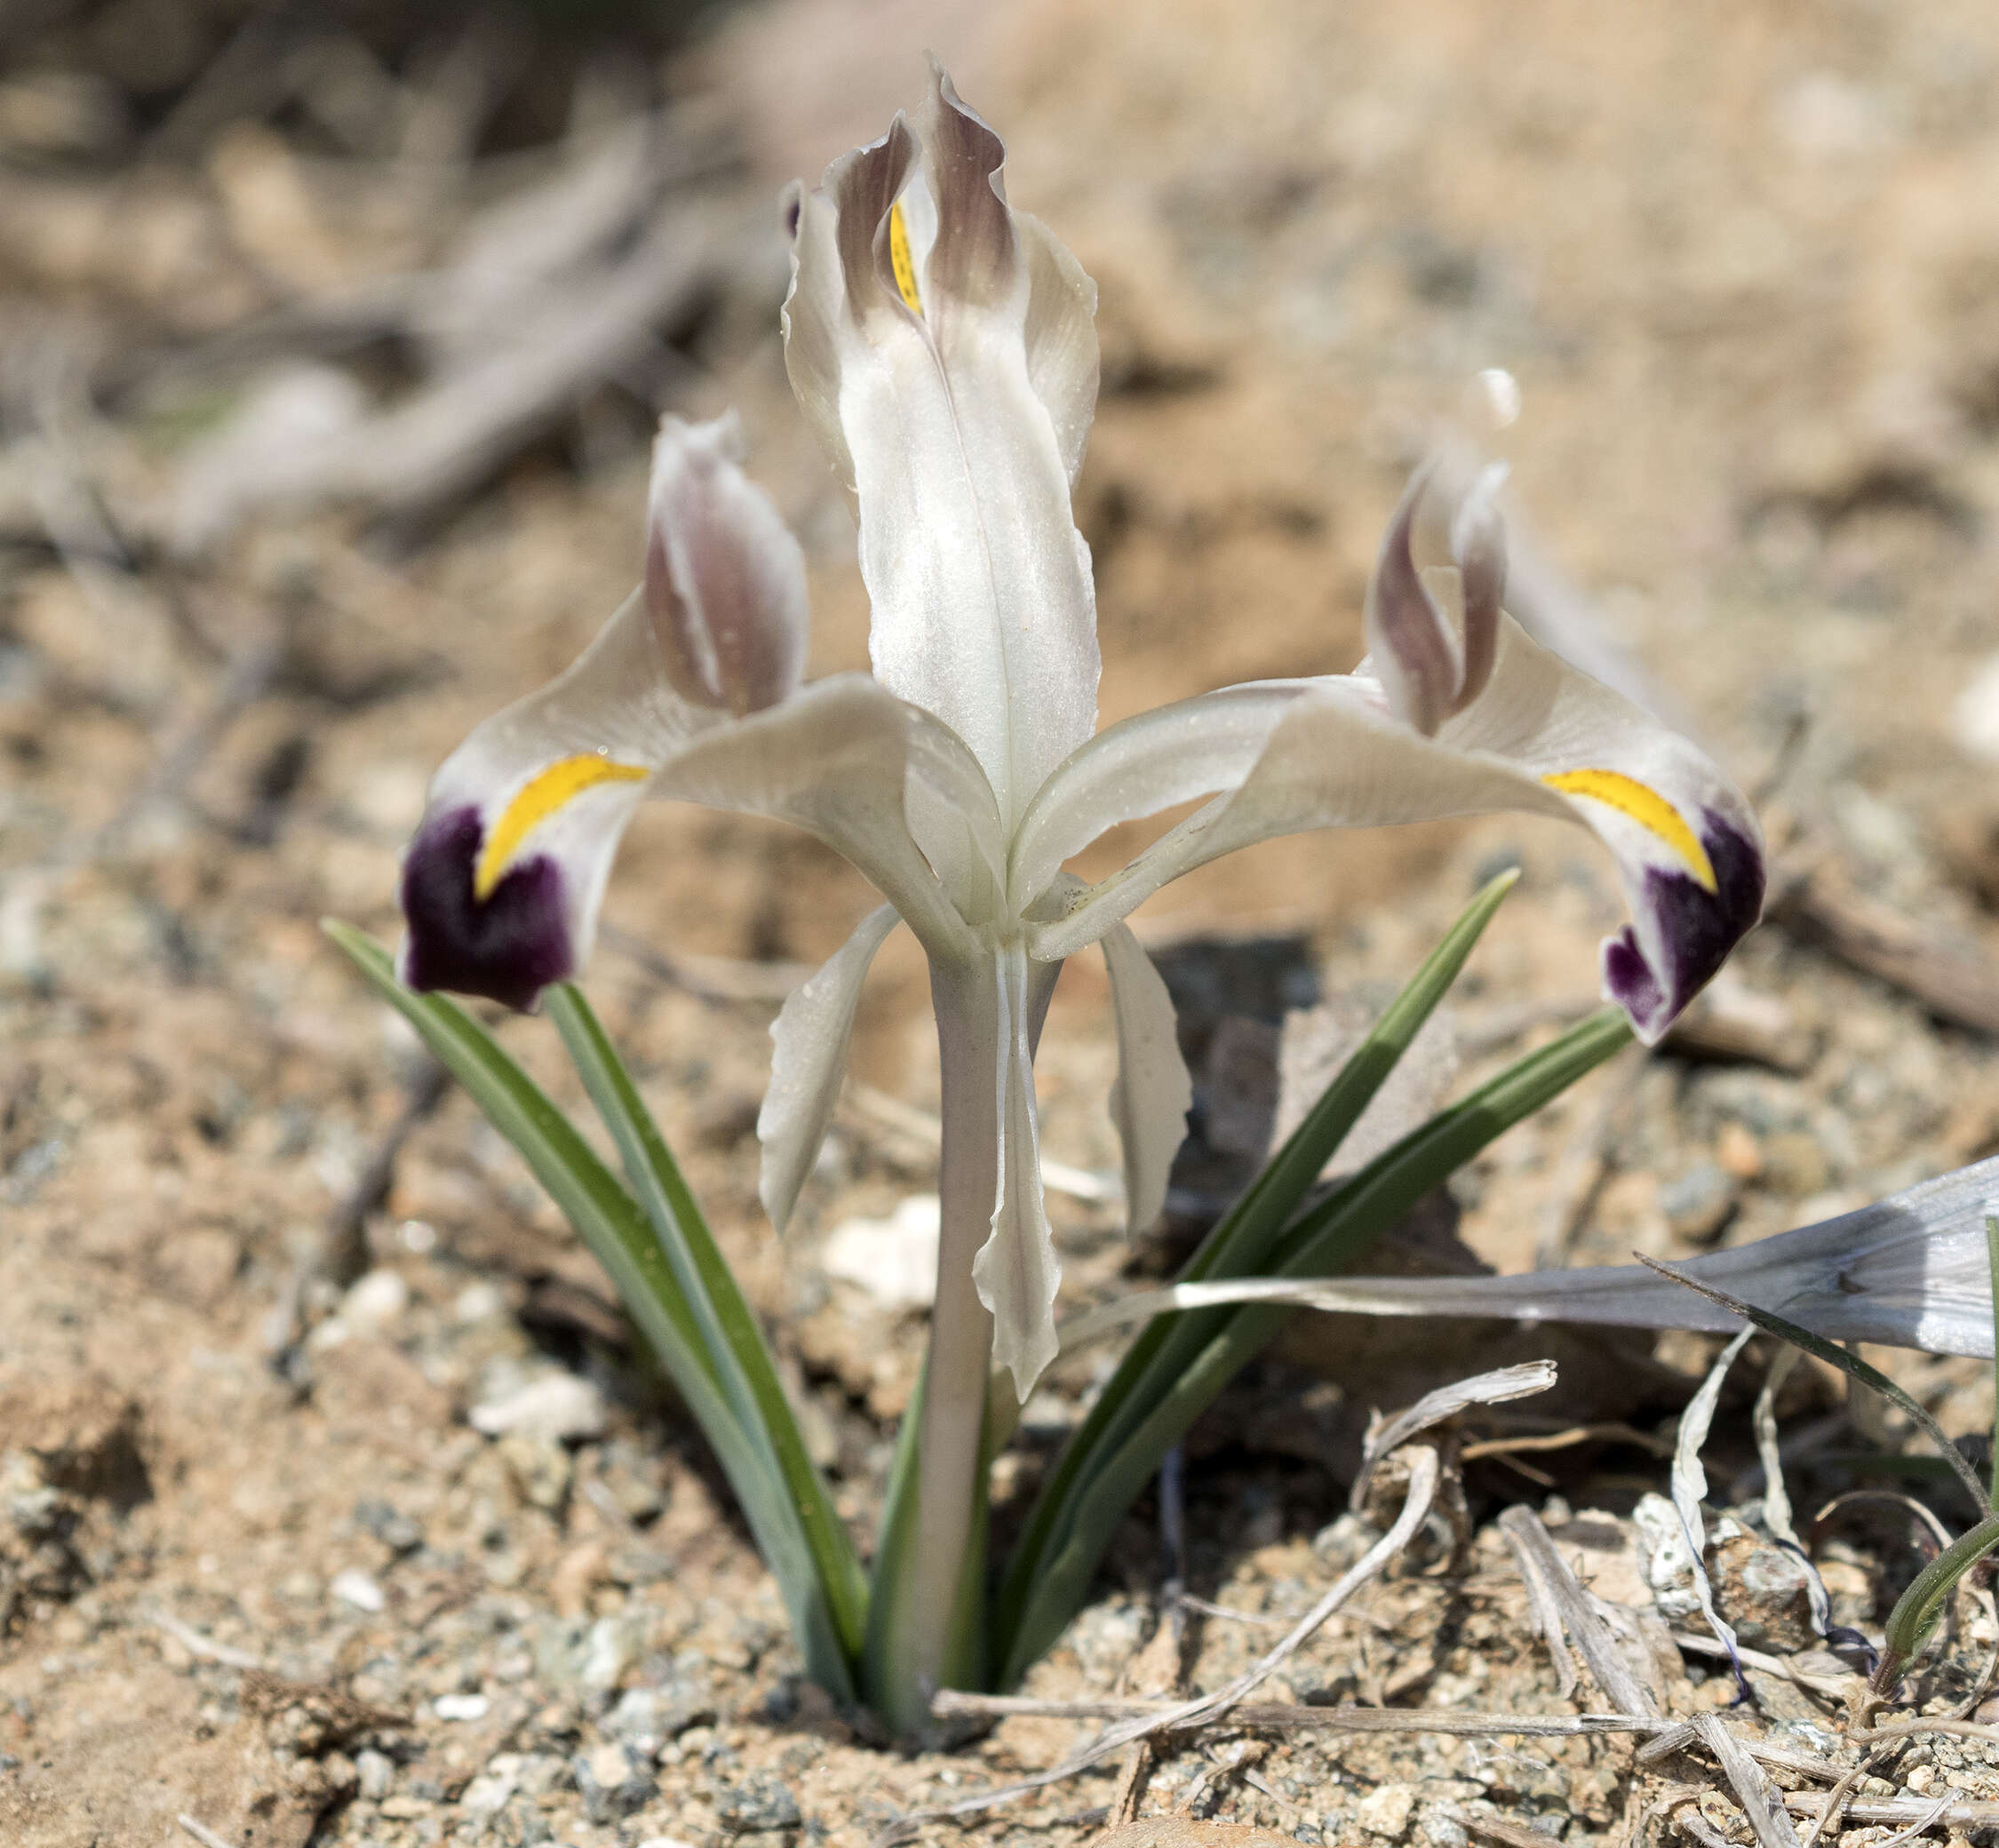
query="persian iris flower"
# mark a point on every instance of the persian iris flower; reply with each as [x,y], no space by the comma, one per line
[941,346]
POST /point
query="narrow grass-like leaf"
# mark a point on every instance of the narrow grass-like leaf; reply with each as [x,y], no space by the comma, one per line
[1917,1609]
[610,1222]
[1330,1235]
[1833,1355]
[1236,1247]
[730,1329]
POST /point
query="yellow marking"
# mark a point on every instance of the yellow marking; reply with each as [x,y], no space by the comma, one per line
[545,792]
[900,261]
[1645,806]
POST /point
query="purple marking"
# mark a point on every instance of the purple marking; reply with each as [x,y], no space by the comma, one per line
[508,948]
[1700,929]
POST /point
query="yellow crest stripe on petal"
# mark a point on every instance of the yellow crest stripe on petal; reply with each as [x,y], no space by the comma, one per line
[1643,805]
[543,792]
[900,261]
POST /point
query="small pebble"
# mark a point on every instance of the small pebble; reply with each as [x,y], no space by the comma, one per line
[894,1260]
[1699,1204]
[373,1772]
[356,1588]
[558,1406]
[479,1302]
[374,1301]
[461,1707]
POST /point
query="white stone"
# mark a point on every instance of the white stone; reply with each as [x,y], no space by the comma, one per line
[895,1260]
[356,1588]
[612,1648]
[479,1302]
[375,1771]
[1667,1559]
[374,1301]
[561,1407]
[490,1790]
[1384,1811]
[461,1707]
[1974,714]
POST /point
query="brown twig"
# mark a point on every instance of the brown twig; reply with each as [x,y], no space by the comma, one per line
[1956,985]
[1288,1717]
[1579,1616]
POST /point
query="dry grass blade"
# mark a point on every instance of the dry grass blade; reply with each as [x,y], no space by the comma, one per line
[1690,1821]
[1543,1608]
[1506,1382]
[1916,1827]
[1579,1616]
[1776,1499]
[204,1648]
[1772,1826]
[1424,1474]
[1286,1716]
[205,1836]
[1966,1816]
[1825,1687]
[1690,1489]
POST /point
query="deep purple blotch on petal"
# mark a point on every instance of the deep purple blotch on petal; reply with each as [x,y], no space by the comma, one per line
[507,949]
[1699,928]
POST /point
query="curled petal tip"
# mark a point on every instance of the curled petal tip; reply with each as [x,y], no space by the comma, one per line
[1478,546]
[1685,929]
[1417,657]
[724,578]
[508,946]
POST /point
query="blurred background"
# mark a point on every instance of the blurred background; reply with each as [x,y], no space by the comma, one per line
[331,340]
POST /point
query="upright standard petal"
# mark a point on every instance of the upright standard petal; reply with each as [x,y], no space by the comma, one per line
[940,347]
[1542,737]
[501,884]
[725,579]
[1016,1272]
[1153,1093]
[809,1062]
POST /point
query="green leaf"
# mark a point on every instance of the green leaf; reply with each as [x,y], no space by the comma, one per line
[1833,1355]
[1155,1370]
[894,1550]
[622,1240]
[1332,1235]
[730,1331]
[1917,1609]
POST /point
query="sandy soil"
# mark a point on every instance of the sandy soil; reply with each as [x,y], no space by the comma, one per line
[257,1564]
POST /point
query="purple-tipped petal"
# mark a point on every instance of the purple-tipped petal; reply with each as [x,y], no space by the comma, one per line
[508,947]
[1478,545]
[1409,641]
[724,578]
[973,256]
[1695,929]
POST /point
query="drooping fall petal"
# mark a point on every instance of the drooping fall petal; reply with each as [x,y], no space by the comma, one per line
[502,882]
[808,1062]
[942,349]
[837,758]
[1542,738]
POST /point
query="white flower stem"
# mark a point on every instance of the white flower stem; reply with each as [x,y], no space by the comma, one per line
[929,1621]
